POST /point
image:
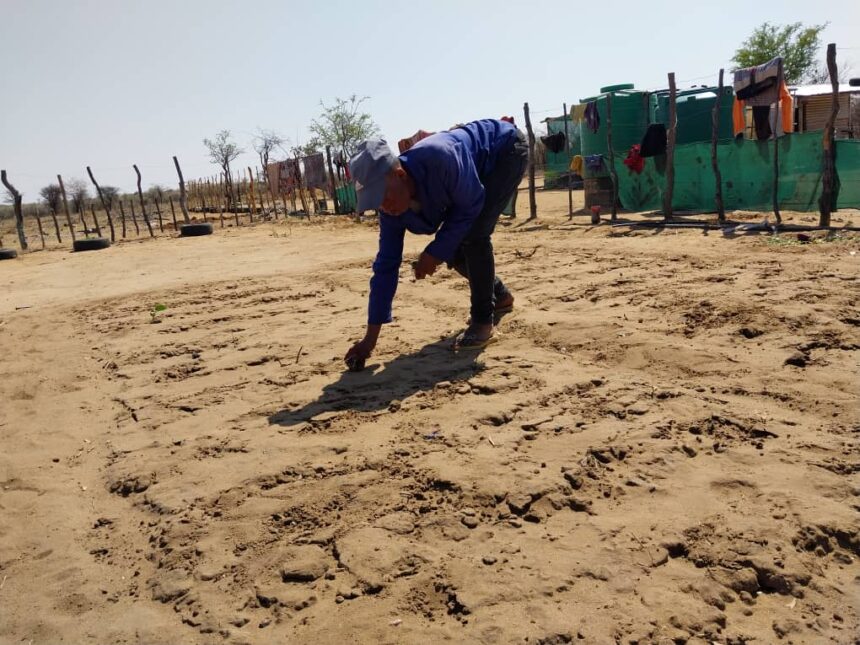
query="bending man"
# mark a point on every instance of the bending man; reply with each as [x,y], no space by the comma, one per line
[453,185]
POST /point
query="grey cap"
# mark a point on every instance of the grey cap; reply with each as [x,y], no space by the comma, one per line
[368,167]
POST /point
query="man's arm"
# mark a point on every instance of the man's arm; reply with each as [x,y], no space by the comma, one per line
[383,285]
[386,269]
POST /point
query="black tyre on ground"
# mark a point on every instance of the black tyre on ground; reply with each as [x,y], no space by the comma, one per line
[8,254]
[195,230]
[92,244]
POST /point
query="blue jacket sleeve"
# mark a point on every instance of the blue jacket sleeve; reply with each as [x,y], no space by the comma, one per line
[467,199]
[386,270]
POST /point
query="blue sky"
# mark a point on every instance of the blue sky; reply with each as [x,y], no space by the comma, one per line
[112,83]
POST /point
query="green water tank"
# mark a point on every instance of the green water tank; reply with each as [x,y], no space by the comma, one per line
[629,121]
[694,110]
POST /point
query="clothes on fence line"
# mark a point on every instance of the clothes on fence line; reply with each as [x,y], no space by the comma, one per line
[654,141]
[758,85]
[577,112]
[634,160]
[786,116]
[592,116]
[577,164]
[315,171]
[291,175]
[594,163]
[273,174]
[283,175]
[404,144]
[554,142]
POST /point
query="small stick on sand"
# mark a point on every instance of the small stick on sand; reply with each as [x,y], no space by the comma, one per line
[299,353]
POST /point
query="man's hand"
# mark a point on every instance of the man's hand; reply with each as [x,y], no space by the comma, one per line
[426,265]
[362,349]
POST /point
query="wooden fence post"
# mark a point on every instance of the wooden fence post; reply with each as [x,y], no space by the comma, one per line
[122,216]
[567,149]
[332,179]
[95,219]
[266,190]
[531,134]
[300,188]
[252,197]
[715,132]
[201,194]
[39,226]
[134,217]
[183,196]
[827,201]
[158,210]
[16,206]
[142,203]
[777,126]
[670,152]
[613,173]
[105,205]
[56,224]
[66,207]
[173,213]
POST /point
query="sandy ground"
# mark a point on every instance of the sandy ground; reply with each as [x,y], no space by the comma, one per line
[662,448]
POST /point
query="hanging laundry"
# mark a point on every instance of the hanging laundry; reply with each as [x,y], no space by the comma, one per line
[342,164]
[786,115]
[404,144]
[592,116]
[786,109]
[739,122]
[577,165]
[273,174]
[594,163]
[634,160]
[554,142]
[654,141]
[315,171]
[577,112]
[761,121]
[282,175]
[758,85]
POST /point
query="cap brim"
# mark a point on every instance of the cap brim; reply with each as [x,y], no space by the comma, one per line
[370,197]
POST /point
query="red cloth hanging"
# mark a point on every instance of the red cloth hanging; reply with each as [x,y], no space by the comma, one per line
[634,160]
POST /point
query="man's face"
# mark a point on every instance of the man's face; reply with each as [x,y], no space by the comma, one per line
[396,200]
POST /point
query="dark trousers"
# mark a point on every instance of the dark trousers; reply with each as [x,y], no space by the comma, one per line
[474,258]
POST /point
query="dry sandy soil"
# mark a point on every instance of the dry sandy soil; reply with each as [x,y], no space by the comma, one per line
[662,448]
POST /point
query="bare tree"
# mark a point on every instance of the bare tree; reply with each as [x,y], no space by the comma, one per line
[223,151]
[79,193]
[52,196]
[821,75]
[157,192]
[342,125]
[110,194]
[265,142]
